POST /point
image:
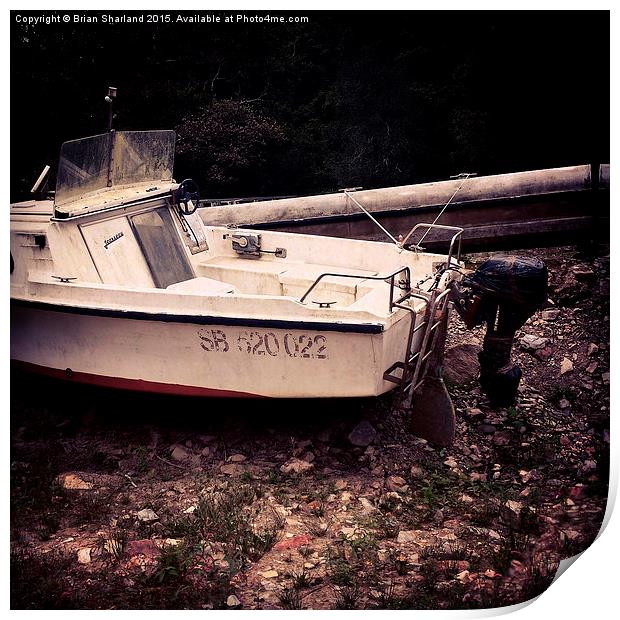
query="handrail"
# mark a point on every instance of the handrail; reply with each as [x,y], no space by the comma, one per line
[443,227]
[390,277]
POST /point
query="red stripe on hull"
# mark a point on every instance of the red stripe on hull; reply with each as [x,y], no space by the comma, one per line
[136,385]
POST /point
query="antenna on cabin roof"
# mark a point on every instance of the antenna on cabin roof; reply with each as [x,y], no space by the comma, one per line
[109,99]
[40,188]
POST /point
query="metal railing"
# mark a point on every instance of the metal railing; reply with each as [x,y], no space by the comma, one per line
[390,278]
[429,227]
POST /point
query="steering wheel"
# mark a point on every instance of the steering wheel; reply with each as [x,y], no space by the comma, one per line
[188,190]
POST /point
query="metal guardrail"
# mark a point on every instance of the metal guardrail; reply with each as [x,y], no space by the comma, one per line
[413,365]
[391,278]
[429,227]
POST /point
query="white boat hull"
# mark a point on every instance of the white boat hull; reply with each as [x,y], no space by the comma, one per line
[193,356]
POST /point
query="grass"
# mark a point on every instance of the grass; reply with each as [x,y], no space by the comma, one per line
[540,575]
[115,543]
[340,571]
[174,562]
[230,518]
[290,598]
[347,597]
[37,581]
[142,461]
[301,579]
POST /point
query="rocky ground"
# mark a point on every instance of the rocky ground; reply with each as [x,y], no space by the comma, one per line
[135,501]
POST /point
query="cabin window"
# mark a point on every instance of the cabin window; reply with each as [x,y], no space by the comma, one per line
[161,247]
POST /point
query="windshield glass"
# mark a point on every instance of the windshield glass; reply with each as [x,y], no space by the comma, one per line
[113,159]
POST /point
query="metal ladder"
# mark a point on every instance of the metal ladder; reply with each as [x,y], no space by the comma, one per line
[413,366]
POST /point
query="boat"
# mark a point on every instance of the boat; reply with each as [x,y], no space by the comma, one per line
[555,206]
[117,281]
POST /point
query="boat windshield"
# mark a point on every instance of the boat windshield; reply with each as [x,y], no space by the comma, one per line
[113,159]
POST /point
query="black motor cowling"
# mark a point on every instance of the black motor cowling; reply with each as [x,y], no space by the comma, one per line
[503,293]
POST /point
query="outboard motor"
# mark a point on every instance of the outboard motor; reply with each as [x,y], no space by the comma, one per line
[504,292]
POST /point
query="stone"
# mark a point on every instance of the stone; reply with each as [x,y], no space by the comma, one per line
[566,366]
[416,472]
[592,349]
[83,555]
[578,491]
[293,543]
[390,500]
[478,477]
[544,354]
[529,342]
[588,467]
[464,576]
[147,515]
[308,457]
[583,274]
[461,364]
[237,458]
[474,413]
[232,601]
[564,440]
[74,482]
[487,429]
[363,434]
[605,377]
[416,536]
[550,315]
[502,438]
[296,466]
[172,542]
[591,368]
[564,404]
[514,506]
[146,547]
[340,485]
[179,453]
[529,476]
[397,484]
[269,574]
[367,506]
[450,462]
[232,469]
[407,536]
[206,451]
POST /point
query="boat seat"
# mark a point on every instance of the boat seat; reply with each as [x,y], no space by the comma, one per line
[203,286]
[258,277]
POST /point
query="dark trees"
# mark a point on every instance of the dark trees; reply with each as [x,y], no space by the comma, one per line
[368,98]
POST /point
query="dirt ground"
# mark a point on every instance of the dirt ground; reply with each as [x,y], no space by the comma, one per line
[125,501]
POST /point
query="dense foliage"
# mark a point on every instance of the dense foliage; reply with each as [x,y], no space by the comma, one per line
[369,99]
